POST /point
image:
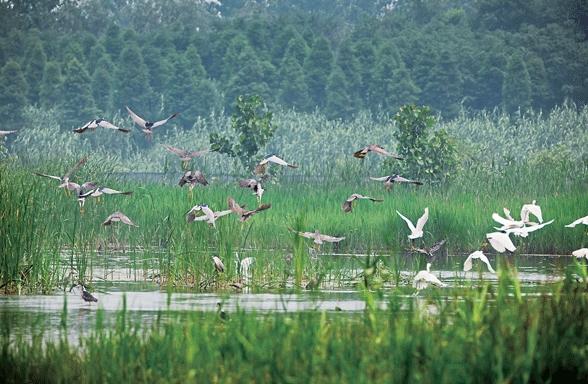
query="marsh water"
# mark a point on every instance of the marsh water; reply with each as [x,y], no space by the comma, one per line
[117,285]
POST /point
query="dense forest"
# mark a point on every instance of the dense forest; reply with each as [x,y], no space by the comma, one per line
[90,58]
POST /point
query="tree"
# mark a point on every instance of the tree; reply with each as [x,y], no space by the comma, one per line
[180,91]
[78,102]
[251,78]
[96,53]
[102,85]
[293,89]
[195,63]
[51,89]
[317,69]
[427,155]
[444,90]
[339,103]
[516,89]
[348,62]
[252,124]
[13,90]
[35,66]
[112,41]
[133,87]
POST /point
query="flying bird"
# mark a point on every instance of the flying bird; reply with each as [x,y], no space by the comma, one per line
[6,133]
[191,216]
[390,180]
[416,232]
[192,178]
[479,255]
[376,149]
[254,185]
[199,210]
[64,180]
[532,209]
[261,167]
[185,155]
[430,252]
[582,220]
[119,217]
[93,124]
[319,238]
[348,204]
[524,231]
[424,278]
[147,126]
[580,253]
[500,241]
[245,214]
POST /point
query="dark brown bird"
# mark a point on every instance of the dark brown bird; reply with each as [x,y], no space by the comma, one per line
[390,180]
[192,178]
[243,213]
[348,204]
[430,252]
[376,149]
[99,123]
[254,185]
[87,296]
[118,216]
[185,155]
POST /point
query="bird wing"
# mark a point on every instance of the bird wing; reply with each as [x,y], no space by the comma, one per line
[373,199]
[234,207]
[361,153]
[383,178]
[174,150]
[161,122]
[138,120]
[108,125]
[199,153]
[467,264]
[429,277]
[422,220]
[199,176]
[331,239]
[347,205]
[500,241]
[436,246]
[109,219]
[260,168]
[49,176]
[185,178]
[532,209]
[408,222]
[75,168]
[222,213]
[380,150]
[579,221]
[83,127]
[262,207]
[400,179]
[248,183]
[505,222]
[208,212]
[507,214]
[579,253]
[275,159]
[485,260]
[125,219]
[539,226]
[110,191]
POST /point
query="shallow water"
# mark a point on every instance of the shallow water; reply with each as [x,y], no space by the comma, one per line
[119,284]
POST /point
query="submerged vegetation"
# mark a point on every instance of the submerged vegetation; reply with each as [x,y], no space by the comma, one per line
[487,334]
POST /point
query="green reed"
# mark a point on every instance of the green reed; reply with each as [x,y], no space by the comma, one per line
[484,334]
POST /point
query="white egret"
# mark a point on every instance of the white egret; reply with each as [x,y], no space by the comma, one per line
[580,253]
[582,220]
[500,241]
[532,209]
[424,278]
[524,231]
[467,265]
[416,232]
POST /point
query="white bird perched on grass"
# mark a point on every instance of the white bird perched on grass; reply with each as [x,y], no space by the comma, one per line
[580,253]
[467,265]
[582,220]
[218,264]
[416,232]
[500,241]
[261,167]
[424,278]
[532,209]
[524,231]
[193,213]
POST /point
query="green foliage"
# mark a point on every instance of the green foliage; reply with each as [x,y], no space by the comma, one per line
[78,104]
[317,69]
[133,88]
[13,91]
[252,125]
[516,89]
[35,65]
[428,155]
[51,88]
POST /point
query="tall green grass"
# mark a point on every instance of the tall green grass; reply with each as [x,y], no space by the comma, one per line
[488,334]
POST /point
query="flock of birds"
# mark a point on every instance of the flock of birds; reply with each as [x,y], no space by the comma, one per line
[499,240]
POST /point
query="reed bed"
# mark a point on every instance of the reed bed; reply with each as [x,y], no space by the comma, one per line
[486,334]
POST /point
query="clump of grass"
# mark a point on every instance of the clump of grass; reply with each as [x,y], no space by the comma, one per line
[480,335]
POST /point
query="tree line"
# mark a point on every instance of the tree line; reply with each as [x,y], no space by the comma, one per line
[87,59]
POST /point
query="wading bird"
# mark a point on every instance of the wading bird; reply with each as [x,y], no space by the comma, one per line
[582,220]
[6,133]
[416,232]
[64,180]
[261,167]
[348,204]
[243,213]
[376,149]
[319,238]
[218,264]
[201,210]
[467,265]
[118,217]
[390,180]
[185,155]
[500,241]
[147,126]
[424,278]
[100,123]
[86,296]
[254,185]
[580,253]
